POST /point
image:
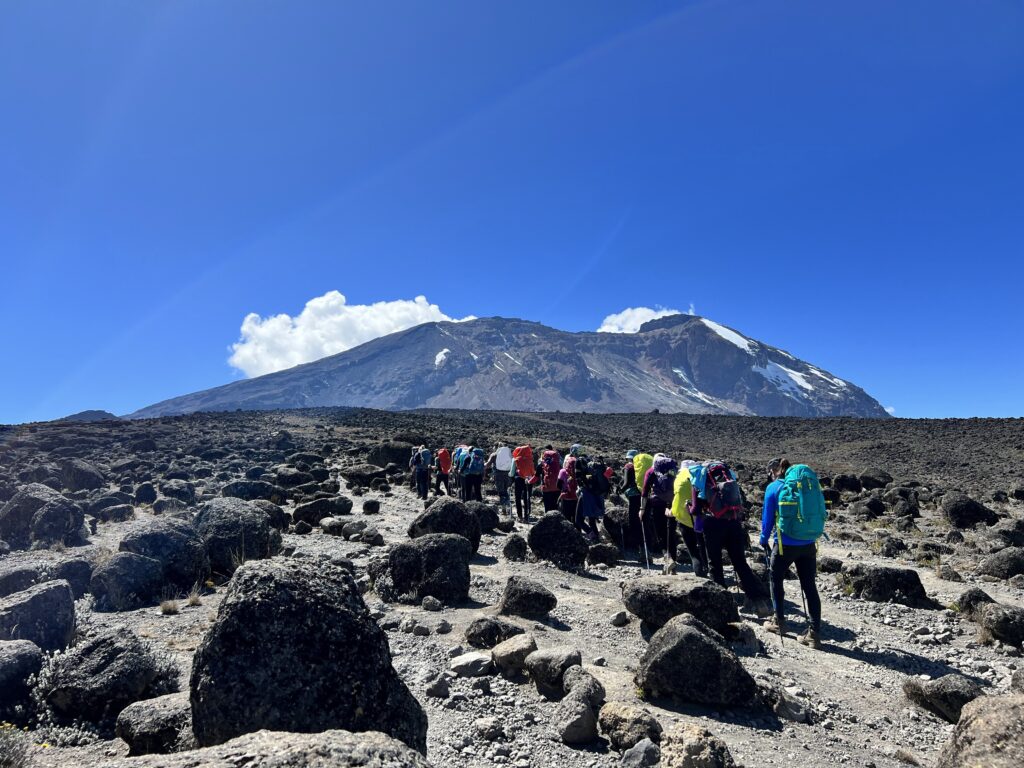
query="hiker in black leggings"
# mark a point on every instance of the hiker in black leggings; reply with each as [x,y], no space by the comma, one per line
[730,536]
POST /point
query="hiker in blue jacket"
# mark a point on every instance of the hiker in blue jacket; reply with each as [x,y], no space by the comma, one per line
[803,553]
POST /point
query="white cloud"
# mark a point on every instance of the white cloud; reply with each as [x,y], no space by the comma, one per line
[691,310]
[629,320]
[327,325]
[891,410]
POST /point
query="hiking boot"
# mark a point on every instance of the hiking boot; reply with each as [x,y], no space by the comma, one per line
[772,625]
[810,639]
[669,569]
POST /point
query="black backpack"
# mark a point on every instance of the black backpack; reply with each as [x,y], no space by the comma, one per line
[724,500]
[598,482]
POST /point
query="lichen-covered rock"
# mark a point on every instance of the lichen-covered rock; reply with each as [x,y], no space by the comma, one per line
[294,648]
[447,516]
[990,733]
[43,613]
[157,726]
[234,531]
[435,564]
[272,749]
[176,545]
[656,600]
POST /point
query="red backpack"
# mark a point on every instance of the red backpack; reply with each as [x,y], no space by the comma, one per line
[724,500]
[444,461]
[551,463]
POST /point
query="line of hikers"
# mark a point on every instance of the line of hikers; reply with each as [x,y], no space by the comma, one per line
[699,502]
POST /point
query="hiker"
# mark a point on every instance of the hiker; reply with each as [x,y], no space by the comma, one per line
[500,464]
[457,455]
[693,539]
[413,453]
[794,539]
[716,495]
[592,484]
[472,471]
[568,497]
[442,470]
[421,462]
[550,466]
[658,494]
[524,472]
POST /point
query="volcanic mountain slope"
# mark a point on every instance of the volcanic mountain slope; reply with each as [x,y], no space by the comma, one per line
[677,364]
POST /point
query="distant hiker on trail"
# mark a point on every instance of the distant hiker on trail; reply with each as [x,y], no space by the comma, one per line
[472,470]
[421,462]
[568,497]
[550,466]
[658,494]
[593,486]
[794,518]
[500,462]
[413,453]
[693,539]
[631,490]
[442,469]
[524,474]
[716,496]
[457,457]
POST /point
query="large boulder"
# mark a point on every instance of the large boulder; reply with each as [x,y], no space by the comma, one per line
[16,515]
[990,733]
[103,674]
[58,521]
[693,746]
[873,477]
[157,726]
[179,489]
[1004,564]
[486,514]
[447,516]
[271,749]
[1003,622]
[556,539]
[15,577]
[626,725]
[363,474]
[945,696]
[79,475]
[234,531]
[43,613]
[126,581]
[547,667]
[436,564]
[394,452]
[964,512]
[489,631]
[19,660]
[687,661]
[527,598]
[510,655]
[657,599]
[251,490]
[176,545]
[314,511]
[294,648]
[883,584]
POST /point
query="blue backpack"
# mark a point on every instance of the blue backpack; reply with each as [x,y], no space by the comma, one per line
[473,464]
[802,511]
[424,459]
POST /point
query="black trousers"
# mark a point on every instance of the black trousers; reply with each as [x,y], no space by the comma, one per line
[523,490]
[422,483]
[654,519]
[694,543]
[472,485]
[568,509]
[550,500]
[633,539]
[440,478]
[805,557]
[730,536]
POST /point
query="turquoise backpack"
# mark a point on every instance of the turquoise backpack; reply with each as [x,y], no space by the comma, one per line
[802,511]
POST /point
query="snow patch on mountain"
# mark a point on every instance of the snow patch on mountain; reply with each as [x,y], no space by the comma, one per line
[729,335]
[440,357]
[786,379]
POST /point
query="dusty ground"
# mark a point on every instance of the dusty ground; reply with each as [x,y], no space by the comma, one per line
[853,684]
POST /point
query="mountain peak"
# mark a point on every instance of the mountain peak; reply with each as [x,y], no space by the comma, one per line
[693,365]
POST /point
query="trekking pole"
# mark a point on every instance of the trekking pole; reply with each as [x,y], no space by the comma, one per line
[647,553]
[803,599]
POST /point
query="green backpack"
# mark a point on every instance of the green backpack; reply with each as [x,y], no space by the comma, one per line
[802,511]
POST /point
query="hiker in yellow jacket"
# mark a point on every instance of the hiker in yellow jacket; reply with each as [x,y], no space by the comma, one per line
[692,538]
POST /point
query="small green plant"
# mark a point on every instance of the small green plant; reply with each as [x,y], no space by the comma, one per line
[14,747]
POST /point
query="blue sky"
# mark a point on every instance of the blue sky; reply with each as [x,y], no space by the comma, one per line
[844,180]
